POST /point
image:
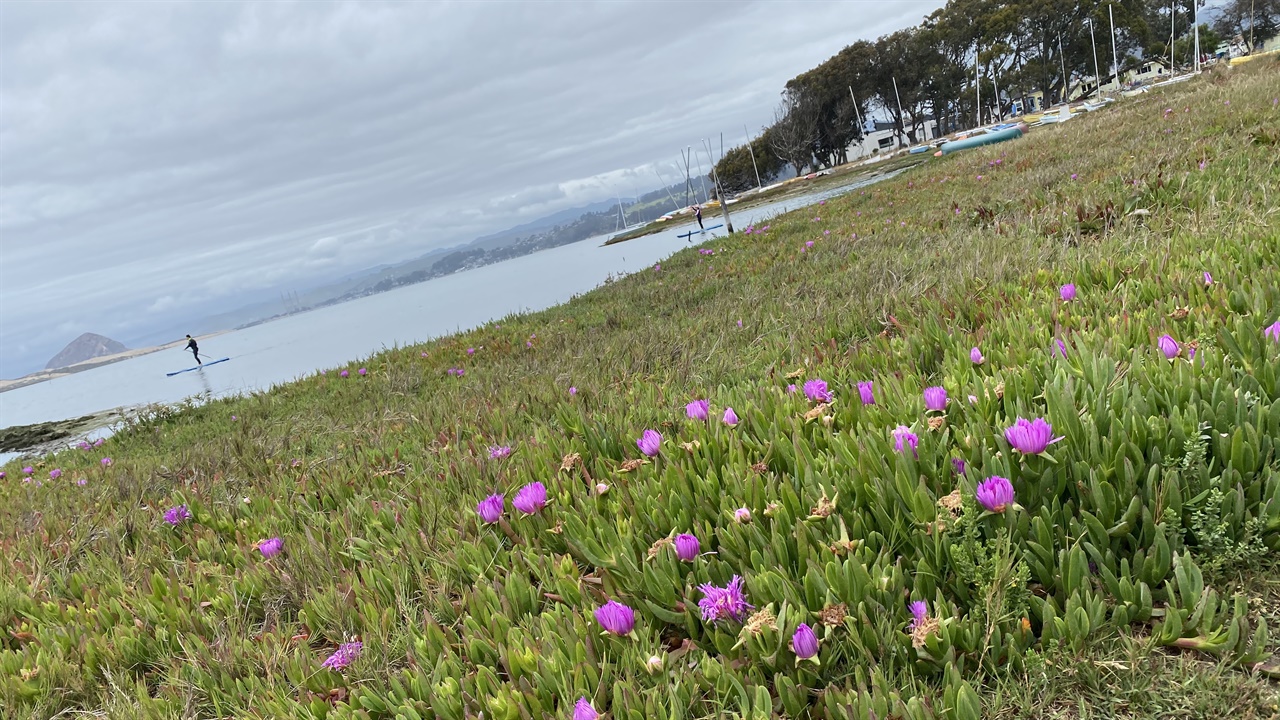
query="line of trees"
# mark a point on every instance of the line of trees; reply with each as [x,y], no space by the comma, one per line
[1013,48]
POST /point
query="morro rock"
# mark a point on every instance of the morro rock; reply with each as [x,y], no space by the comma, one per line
[85,347]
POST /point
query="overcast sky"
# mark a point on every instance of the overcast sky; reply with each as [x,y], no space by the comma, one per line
[162,162]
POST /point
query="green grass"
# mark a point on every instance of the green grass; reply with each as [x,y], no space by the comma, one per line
[1134,580]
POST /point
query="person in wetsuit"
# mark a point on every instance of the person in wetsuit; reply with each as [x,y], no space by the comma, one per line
[195,349]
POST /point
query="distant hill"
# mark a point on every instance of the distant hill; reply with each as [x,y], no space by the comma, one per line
[86,347]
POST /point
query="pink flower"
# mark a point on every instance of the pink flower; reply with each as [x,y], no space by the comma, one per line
[573,390]
[344,373]
[995,493]
[650,442]
[531,498]
[902,436]
[490,508]
[1273,331]
[687,547]
[271,547]
[1168,346]
[697,410]
[1030,437]
[362,371]
[975,355]
[616,618]
[344,656]
[107,462]
[816,390]
[730,417]
[1067,292]
[935,398]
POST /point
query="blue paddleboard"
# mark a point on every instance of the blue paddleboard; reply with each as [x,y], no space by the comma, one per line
[198,367]
[696,232]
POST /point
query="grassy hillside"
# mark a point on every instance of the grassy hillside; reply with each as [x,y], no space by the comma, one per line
[1130,575]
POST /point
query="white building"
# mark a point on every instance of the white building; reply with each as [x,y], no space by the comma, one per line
[882,137]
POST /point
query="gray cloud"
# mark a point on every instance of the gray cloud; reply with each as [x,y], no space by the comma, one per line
[160,162]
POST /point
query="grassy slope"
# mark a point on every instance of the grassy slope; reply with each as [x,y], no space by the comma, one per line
[371,481]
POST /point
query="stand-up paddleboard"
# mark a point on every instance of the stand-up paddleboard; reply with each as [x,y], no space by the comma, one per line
[697,232]
[198,367]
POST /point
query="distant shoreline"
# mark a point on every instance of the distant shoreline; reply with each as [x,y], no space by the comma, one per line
[46,375]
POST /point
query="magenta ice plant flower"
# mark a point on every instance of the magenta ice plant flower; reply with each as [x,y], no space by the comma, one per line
[730,417]
[995,493]
[687,547]
[2,475]
[742,515]
[791,389]
[583,710]
[1273,331]
[107,462]
[1208,279]
[1030,437]
[721,603]
[499,452]
[271,547]
[572,391]
[616,618]
[343,656]
[698,409]
[1168,346]
[804,643]
[531,498]
[816,390]
[471,351]
[919,612]
[902,436]
[958,465]
[28,470]
[866,392]
[55,473]
[344,373]
[1067,292]
[975,355]
[362,371]
[176,515]
[935,398]
[650,442]
[490,508]
[1059,347]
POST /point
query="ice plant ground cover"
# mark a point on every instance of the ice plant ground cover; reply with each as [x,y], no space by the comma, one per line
[1132,570]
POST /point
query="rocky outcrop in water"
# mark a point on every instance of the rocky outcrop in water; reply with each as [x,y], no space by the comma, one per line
[86,347]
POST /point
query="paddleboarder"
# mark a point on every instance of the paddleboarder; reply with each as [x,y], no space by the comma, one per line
[697,213]
[195,349]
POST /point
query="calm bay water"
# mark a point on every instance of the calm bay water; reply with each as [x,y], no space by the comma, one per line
[289,348]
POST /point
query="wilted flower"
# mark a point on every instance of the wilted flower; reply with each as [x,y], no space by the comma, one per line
[919,611]
[616,618]
[687,547]
[650,442]
[54,474]
[995,493]
[343,656]
[1067,292]
[804,642]
[816,390]
[976,356]
[271,547]
[362,371]
[865,392]
[1273,331]
[498,452]
[344,373]
[107,462]
[1168,346]
[1208,279]
[176,515]
[1030,437]
[730,417]
[742,515]
[582,710]
[726,602]
[490,508]
[531,498]
[902,436]
[697,410]
[935,398]
[601,488]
